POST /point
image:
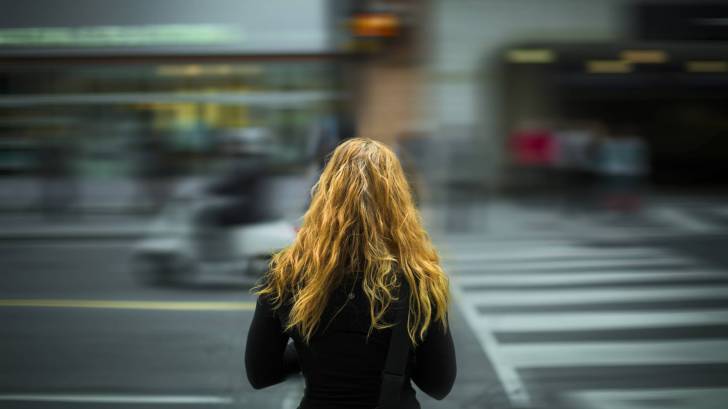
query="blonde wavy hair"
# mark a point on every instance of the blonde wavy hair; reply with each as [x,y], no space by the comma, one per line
[362,220]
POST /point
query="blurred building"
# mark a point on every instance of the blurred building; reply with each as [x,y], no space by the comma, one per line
[142,90]
[609,68]
[149,90]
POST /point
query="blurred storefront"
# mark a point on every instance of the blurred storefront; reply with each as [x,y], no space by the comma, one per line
[117,91]
[192,106]
[659,94]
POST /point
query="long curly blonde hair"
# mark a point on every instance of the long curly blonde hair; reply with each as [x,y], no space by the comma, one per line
[361,219]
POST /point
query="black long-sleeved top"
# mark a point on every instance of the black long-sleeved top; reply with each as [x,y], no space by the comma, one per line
[342,366]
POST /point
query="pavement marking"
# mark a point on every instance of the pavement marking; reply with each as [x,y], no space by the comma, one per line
[467,241]
[541,265]
[129,305]
[692,398]
[681,220]
[518,265]
[126,399]
[591,277]
[573,354]
[82,244]
[542,253]
[722,211]
[593,321]
[574,233]
[507,374]
[540,297]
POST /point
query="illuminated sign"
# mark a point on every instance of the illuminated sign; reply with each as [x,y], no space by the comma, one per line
[375,25]
[105,36]
[531,56]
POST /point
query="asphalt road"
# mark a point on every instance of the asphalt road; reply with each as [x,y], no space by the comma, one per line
[136,341]
[597,311]
[89,333]
[550,311]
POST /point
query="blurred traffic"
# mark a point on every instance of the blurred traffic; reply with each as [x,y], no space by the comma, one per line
[570,160]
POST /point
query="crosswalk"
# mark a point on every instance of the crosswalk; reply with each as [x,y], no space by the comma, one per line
[660,217]
[584,325]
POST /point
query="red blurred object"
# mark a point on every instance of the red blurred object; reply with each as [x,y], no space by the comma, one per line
[533,147]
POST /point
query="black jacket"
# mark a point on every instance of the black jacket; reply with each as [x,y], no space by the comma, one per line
[342,364]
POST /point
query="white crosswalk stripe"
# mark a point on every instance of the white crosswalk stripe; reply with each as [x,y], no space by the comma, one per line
[517,265]
[616,353]
[593,277]
[698,398]
[572,252]
[585,321]
[494,280]
[529,297]
[681,219]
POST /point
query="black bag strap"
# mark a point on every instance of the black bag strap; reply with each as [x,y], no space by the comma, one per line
[395,365]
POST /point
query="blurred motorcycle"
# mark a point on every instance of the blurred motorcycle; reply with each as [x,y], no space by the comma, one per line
[221,233]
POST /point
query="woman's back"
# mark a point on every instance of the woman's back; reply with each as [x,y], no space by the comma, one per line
[343,362]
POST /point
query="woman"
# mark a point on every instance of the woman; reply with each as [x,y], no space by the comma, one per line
[334,291]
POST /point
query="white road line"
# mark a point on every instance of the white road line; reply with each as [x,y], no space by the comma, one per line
[532,355]
[516,265]
[508,376]
[591,277]
[591,321]
[72,244]
[124,399]
[499,242]
[681,220]
[693,398]
[129,304]
[722,211]
[528,297]
[556,252]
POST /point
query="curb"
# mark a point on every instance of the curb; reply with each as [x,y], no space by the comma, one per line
[84,234]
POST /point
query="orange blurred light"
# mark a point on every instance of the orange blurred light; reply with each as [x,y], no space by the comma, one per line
[375,25]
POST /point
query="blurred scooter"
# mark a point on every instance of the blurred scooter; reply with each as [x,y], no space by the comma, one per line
[223,233]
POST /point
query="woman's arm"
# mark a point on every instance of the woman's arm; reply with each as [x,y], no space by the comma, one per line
[267,359]
[435,368]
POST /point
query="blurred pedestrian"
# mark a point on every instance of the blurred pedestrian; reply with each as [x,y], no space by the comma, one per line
[329,131]
[360,292]
[622,164]
[59,192]
[155,169]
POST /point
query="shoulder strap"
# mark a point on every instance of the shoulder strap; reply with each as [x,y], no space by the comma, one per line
[397,355]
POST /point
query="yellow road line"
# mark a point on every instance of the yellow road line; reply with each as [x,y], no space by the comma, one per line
[131,305]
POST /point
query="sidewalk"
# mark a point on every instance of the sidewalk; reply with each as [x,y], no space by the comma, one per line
[114,208]
[29,226]
[90,195]
[100,209]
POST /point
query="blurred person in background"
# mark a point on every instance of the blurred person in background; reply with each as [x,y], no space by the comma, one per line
[59,191]
[360,289]
[154,168]
[577,147]
[410,148]
[622,163]
[331,129]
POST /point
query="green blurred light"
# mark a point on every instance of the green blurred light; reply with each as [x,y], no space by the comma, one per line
[170,34]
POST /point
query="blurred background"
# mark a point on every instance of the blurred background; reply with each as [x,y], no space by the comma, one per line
[569,157]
